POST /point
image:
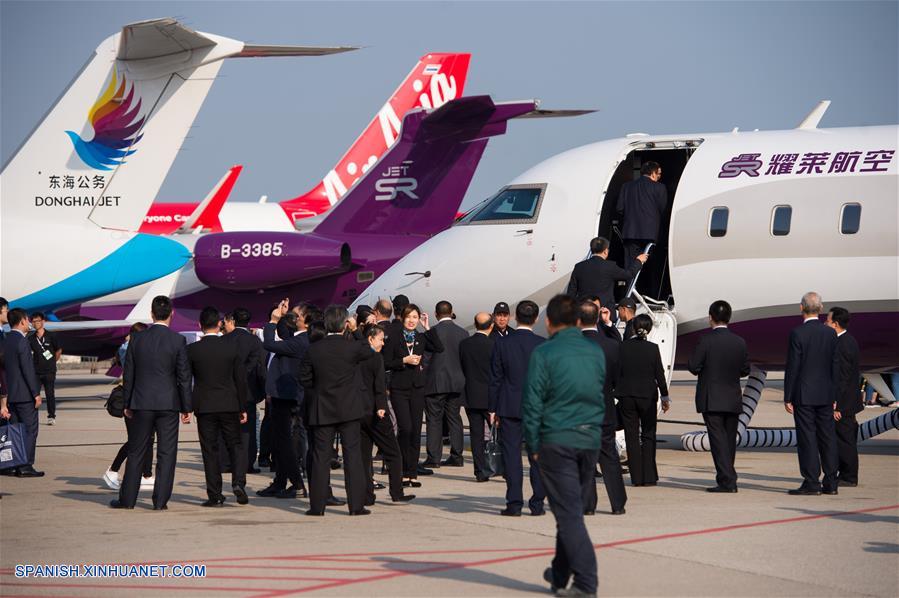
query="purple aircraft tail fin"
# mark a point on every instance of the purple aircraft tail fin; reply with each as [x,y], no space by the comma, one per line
[417,186]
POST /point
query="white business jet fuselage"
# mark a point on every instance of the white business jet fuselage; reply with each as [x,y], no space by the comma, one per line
[755,218]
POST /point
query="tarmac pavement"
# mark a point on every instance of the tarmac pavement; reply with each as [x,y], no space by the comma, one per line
[675,540]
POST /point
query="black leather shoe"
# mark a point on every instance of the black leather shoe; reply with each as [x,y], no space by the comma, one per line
[160,508]
[537,513]
[548,578]
[333,501]
[10,471]
[241,495]
[214,502]
[589,513]
[574,591]
[846,484]
[804,492]
[453,462]
[411,484]
[287,493]
[481,479]
[721,489]
[117,504]
[507,512]
[369,502]
[404,498]
[378,486]
[272,490]
[361,512]
[620,511]
[830,491]
[29,472]
[424,471]
[426,465]
[312,513]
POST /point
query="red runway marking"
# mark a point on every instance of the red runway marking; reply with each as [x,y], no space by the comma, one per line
[548,552]
[266,567]
[274,578]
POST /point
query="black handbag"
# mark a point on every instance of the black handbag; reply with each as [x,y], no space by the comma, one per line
[115,404]
[494,454]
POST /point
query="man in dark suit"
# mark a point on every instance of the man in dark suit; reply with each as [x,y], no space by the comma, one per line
[283,386]
[720,360]
[609,462]
[46,351]
[501,315]
[641,207]
[809,395]
[597,276]
[508,372]
[627,311]
[849,398]
[157,387]
[330,369]
[443,391]
[4,311]
[253,357]
[220,402]
[474,357]
[23,393]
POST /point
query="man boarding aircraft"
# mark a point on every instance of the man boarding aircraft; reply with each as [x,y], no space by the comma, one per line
[435,79]
[756,218]
[90,181]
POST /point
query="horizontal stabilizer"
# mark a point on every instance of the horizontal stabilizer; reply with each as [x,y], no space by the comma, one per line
[554,113]
[158,37]
[257,50]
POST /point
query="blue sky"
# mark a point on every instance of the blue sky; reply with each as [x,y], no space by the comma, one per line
[653,67]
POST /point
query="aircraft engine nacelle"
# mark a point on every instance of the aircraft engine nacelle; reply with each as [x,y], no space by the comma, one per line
[244,261]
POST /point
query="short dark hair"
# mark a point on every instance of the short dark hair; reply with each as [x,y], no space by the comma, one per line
[642,325]
[485,325]
[720,311]
[399,303]
[38,314]
[588,313]
[443,309]
[384,308]
[313,313]
[316,331]
[137,327]
[649,167]
[241,317]
[335,318]
[840,315]
[3,302]
[161,308]
[15,316]
[372,330]
[287,325]
[562,311]
[526,312]
[409,309]
[302,307]
[594,299]
[599,244]
[209,317]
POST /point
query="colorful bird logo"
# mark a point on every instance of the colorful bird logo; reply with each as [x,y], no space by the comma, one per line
[115,124]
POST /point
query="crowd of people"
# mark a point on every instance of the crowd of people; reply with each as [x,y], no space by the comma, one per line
[372,379]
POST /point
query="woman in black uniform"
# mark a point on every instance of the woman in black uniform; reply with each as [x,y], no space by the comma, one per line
[403,356]
[640,382]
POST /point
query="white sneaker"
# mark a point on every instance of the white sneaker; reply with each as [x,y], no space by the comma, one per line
[147,483]
[111,479]
[51,421]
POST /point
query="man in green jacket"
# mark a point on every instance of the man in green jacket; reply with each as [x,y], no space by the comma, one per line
[562,413]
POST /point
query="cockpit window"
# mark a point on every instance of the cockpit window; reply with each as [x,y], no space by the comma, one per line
[516,204]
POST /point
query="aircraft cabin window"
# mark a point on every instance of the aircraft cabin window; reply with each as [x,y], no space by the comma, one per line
[780,221]
[517,204]
[718,222]
[851,218]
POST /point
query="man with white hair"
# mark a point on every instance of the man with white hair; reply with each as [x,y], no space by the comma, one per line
[809,395]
